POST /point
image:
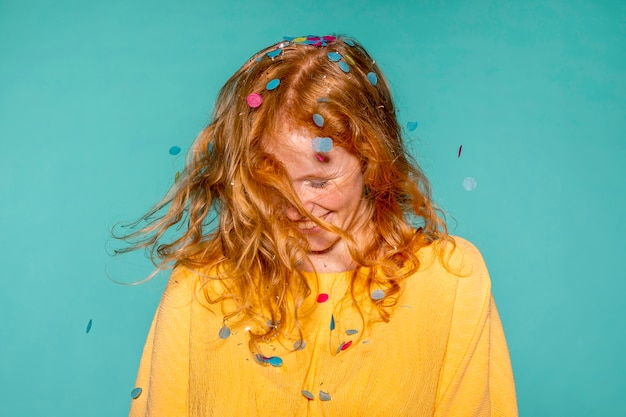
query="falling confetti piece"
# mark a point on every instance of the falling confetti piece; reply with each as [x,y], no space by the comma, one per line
[89,326]
[378,295]
[299,344]
[469,184]
[322,298]
[318,119]
[346,345]
[174,150]
[273,84]
[135,393]
[254,100]
[411,126]
[372,78]
[308,394]
[324,396]
[344,66]
[334,56]
[350,332]
[332,322]
[177,176]
[322,144]
[224,332]
[460,149]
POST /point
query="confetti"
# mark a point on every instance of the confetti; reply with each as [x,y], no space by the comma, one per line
[177,176]
[350,332]
[135,393]
[308,394]
[323,100]
[460,149]
[322,144]
[334,56]
[348,42]
[324,396]
[318,119]
[372,78]
[299,344]
[273,84]
[224,332]
[469,184]
[254,100]
[332,322]
[89,326]
[344,66]
[378,295]
[174,150]
[322,298]
[273,54]
[411,126]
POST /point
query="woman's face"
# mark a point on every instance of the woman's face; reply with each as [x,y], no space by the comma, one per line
[330,189]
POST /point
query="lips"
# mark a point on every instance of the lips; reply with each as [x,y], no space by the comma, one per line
[306,225]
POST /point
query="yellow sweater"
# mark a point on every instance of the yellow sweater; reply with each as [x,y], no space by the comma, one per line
[443,353]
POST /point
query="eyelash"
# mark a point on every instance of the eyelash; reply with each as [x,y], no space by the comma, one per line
[319,184]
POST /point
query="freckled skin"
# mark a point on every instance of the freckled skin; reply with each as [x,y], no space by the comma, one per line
[330,189]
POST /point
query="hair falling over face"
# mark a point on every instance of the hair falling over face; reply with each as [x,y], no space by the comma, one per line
[227,203]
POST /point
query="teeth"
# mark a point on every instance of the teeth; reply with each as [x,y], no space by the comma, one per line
[308,225]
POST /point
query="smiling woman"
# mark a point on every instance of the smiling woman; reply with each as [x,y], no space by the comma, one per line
[328,285]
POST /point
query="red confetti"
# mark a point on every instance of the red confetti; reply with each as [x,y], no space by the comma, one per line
[322,298]
[346,345]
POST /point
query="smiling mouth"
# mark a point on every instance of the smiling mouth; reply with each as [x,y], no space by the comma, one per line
[308,225]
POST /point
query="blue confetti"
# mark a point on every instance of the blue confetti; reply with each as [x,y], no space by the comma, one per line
[275,361]
[378,295]
[351,331]
[469,184]
[299,344]
[332,322]
[224,332]
[135,393]
[344,66]
[174,150]
[89,326]
[323,100]
[334,56]
[274,53]
[322,144]
[348,42]
[411,126]
[308,394]
[272,84]
[318,119]
[324,396]
[372,78]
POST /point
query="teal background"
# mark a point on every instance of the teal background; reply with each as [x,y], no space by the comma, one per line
[94,94]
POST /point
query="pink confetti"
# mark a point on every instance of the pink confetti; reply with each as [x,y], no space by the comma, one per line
[322,298]
[320,158]
[254,100]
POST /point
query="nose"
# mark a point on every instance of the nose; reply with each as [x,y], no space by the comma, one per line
[294,214]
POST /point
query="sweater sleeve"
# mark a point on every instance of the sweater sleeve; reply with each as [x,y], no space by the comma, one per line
[476,379]
[164,368]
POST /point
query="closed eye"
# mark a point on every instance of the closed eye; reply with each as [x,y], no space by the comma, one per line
[319,184]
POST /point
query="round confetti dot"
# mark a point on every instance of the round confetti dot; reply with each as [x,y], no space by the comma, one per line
[272,84]
[372,78]
[378,295]
[469,184]
[135,393]
[350,332]
[324,396]
[174,150]
[322,144]
[275,361]
[318,119]
[308,394]
[299,344]
[322,298]
[334,56]
[224,332]
[344,66]
[254,100]
[348,42]
[411,126]
[274,53]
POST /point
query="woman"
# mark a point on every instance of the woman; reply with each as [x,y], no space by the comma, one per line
[313,275]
